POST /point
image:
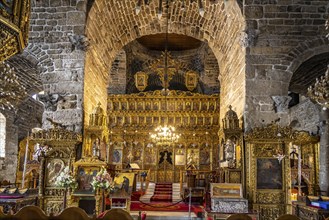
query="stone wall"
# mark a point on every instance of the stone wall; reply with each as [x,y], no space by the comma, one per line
[282,35]
[113,24]
[200,60]
[56,45]
[305,116]
[117,79]
[18,125]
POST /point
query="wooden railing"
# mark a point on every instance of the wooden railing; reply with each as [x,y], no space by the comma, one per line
[196,178]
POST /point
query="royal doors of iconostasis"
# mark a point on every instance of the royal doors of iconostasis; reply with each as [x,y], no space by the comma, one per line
[165,170]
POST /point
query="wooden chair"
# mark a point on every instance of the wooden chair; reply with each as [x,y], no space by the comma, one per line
[72,213]
[117,214]
[288,217]
[30,213]
[239,217]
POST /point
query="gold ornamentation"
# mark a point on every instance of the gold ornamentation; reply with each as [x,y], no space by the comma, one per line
[269,197]
[266,150]
[14,26]
[97,117]
[11,90]
[319,92]
[166,68]
[53,207]
[191,80]
[271,132]
[141,80]
[55,135]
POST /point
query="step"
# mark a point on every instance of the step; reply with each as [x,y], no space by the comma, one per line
[160,215]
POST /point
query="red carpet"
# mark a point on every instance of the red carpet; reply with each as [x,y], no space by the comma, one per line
[159,206]
[162,192]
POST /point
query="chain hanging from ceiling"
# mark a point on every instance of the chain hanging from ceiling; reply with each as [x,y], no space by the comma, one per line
[166,67]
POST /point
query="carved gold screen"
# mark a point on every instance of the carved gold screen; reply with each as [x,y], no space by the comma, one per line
[268,178]
[132,117]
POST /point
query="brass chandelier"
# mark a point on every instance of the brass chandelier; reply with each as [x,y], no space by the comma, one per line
[319,92]
[165,134]
[11,89]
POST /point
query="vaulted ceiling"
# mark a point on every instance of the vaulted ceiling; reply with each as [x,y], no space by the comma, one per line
[307,73]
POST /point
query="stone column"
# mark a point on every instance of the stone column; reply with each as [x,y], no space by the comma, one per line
[324,153]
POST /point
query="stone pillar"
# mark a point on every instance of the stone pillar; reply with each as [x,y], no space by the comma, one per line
[324,153]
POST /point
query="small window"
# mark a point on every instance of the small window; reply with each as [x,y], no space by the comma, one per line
[2,135]
[294,99]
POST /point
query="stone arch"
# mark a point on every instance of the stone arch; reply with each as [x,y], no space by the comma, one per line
[2,135]
[113,24]
[38,58]
[304,51]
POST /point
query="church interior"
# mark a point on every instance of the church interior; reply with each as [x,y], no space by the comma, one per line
[164,109]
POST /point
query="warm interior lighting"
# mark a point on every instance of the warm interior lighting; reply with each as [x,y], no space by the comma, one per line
[319,92]
[165,134]
[11,90]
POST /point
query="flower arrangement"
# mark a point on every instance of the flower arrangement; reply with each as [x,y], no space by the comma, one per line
[103,180]
[65,179]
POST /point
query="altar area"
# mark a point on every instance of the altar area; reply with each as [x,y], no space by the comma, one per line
[211,171]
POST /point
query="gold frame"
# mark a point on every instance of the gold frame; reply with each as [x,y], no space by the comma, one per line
[141,80]
[225,190]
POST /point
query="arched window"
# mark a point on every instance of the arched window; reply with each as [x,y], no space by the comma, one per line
[2,135]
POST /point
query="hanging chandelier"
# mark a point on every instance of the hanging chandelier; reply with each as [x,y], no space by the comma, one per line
[319,92]
[165,135]
[11,89]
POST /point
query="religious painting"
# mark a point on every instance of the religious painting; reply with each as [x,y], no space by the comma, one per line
[124,181]
[191,80]
[138,153]
[205,154]
[225,190]
[117,156]
[179,159]
[149,157]
[192,158]
[124,105]
[141,80]
[84,178]
[54,168]
[269,173]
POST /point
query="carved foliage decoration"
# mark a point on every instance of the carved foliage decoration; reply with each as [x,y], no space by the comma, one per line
[265,150]
[271,132]
[270,197]
[14,26]
[56,134]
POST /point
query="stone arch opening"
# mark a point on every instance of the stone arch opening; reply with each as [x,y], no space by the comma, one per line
[112,25]
[139,55]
